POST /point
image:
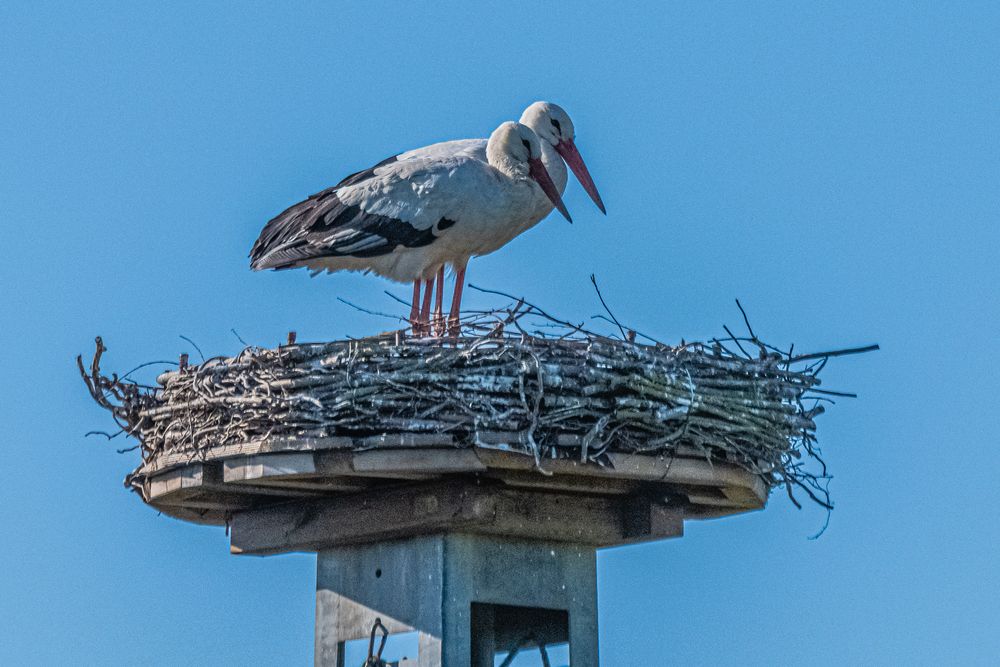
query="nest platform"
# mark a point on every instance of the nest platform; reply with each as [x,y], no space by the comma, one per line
[454,426]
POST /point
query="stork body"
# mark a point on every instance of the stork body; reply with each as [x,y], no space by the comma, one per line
[402,222]
[405,219]
[476,149]
[557,136]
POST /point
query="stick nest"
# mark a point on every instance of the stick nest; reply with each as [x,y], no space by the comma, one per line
[559,390]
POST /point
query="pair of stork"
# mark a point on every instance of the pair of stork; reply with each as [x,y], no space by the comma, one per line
[411,215]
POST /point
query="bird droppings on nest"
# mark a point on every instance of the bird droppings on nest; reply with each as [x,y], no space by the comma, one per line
[564,392]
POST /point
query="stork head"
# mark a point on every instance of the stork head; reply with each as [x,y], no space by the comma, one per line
[514,149]
[552,124]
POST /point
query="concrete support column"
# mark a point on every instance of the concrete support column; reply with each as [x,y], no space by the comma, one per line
[467,595]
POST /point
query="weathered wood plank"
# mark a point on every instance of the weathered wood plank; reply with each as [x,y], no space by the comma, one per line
[267,445]
[747,497]
[247,468]
[311,526]
[316,484]
[223,501]
[402,440]
[532,479]
[201,486]
[455,506]
[345,464]
[192,476]
[431,461]
[699,472]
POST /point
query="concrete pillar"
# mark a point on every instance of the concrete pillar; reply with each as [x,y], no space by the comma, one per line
[467,595]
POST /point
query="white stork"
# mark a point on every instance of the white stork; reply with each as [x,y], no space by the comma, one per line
[405,219]
[557,133]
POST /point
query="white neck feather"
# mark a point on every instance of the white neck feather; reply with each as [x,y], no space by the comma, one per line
[500,153]
[498,158]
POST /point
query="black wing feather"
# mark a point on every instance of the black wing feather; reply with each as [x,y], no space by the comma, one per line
[365,174]
[302,232]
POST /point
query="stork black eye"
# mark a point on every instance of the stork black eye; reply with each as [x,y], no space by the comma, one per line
[555,124]
[526,145]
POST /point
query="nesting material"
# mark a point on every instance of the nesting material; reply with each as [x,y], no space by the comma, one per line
[561,393]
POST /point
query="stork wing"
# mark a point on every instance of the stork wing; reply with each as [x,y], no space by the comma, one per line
[365,174]
[369,213]
[474,148]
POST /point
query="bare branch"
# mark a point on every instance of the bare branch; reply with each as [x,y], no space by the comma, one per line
[195,345]
[371,312]
[593,280]
[240,338]
[746,320]
[834,353]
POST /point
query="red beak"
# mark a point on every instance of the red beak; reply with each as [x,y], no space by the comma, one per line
[541,176]
[567,149]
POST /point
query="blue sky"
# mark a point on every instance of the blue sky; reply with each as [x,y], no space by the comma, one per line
[836,166]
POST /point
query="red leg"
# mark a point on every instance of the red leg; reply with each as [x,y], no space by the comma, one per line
[439,303]
[415,309]
[454,319]
[425,308]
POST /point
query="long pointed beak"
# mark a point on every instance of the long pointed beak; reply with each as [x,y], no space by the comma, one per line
[541,176]
[567,149]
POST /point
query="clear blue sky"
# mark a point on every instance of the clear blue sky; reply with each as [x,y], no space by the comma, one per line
[837,167]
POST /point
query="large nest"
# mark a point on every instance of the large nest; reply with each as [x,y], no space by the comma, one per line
[561,391]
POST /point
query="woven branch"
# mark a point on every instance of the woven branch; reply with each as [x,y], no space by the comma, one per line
[558,380]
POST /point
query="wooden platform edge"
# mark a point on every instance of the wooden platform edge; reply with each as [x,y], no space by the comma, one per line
[455,506]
